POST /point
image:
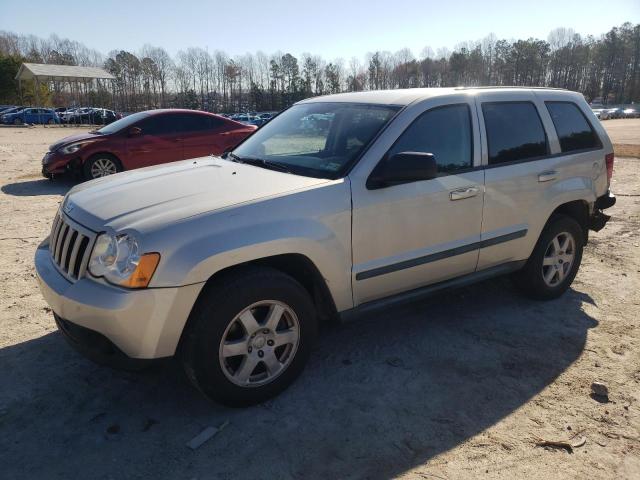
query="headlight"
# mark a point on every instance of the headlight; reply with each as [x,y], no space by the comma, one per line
[73,148]
[118,260]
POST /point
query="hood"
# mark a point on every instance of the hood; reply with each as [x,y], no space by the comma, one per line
[74,138]
[153,197]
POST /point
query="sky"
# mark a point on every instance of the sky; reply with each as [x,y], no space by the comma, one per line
[329,28]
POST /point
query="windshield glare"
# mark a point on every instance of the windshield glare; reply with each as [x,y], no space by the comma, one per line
[317,139]
[122,123]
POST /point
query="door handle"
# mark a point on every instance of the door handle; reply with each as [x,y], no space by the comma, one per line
[547,176]
[463,193]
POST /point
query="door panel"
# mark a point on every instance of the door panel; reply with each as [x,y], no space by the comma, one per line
[518,184]
[411,235]
[158,143]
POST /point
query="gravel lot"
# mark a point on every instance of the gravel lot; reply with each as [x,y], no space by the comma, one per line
[457,386]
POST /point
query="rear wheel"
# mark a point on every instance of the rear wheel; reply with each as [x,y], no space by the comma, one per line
[51,121]
[249,336]
[101,165]
[555,260]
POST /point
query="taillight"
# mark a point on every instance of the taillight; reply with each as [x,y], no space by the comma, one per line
[608,158]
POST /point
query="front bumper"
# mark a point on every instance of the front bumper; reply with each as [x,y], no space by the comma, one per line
[54,164]
[143,324]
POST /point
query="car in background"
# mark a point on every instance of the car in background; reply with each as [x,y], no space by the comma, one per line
[31,116]
[614,112]
[601,113]
[144,139]
[9,110]
[77,115]
[630,113]
[102,116]
[243,118]
[67,114]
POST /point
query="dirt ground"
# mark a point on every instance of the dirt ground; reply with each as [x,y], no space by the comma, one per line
[457,386]
[624,133]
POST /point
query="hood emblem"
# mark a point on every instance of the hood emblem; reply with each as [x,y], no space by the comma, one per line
[68,208]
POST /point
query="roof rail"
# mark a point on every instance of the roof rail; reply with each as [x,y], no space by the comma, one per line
[509,86]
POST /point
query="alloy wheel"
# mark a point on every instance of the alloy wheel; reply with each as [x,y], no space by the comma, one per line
[259,344]
[558,259]
[103,167]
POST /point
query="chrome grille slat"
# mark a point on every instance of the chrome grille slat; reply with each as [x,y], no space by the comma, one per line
[74,253]
[65,248]
[61,233]
[71,241]
[54,233]
[85,260]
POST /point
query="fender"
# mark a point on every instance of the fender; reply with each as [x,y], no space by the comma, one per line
[316,224]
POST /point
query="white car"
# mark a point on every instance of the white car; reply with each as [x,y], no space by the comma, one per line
[601,113]
[231,263]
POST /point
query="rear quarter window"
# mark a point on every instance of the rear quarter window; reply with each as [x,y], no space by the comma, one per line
[514,132]
[573,129]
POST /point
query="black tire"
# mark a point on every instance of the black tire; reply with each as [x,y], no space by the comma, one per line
[51,121]
[87,168]
[18,121]
[530,280]
[218,305]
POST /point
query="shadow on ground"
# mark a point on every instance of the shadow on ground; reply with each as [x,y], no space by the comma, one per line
[32,188]
[380,395]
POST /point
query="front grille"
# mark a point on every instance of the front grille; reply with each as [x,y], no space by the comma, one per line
[70,246]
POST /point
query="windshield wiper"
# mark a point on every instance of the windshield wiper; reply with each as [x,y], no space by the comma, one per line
[259,162]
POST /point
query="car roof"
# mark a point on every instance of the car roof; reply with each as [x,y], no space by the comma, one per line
[160,111]
[410,95]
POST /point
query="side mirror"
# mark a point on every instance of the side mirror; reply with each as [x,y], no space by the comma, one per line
[404,167]
[135,131]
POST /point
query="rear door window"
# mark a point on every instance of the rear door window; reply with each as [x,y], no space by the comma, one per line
[186,122]
[573,129]
[514,132]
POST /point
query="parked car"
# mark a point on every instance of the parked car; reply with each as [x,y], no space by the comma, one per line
[78,115]
[614,112]
[6,108]
[31,116]
[11,110]
[601,113]
[631,113]
[231,263]
[245,118]
[67,114]
[143,139]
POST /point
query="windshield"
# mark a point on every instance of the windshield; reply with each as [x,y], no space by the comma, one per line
[316,139]
[122,123]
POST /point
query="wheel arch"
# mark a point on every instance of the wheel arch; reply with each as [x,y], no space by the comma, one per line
[579,210]
[299,267]
[296,265]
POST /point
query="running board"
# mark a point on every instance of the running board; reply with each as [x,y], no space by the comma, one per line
[426,291]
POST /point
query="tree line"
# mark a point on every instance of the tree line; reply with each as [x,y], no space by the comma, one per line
[605,69]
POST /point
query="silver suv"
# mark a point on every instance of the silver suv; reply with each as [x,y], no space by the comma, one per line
[339,204]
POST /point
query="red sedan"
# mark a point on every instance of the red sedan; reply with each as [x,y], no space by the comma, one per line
[144,139]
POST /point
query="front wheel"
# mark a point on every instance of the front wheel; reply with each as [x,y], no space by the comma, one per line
[555,260]
[249,336]
[101,165]
[18,121]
